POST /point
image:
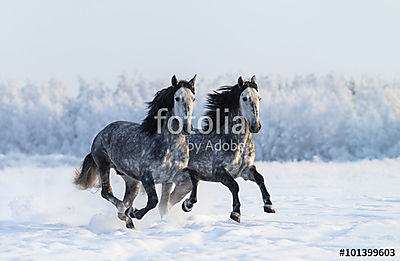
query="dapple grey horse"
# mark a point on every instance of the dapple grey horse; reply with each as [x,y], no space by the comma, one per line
[224,149]
[154,151]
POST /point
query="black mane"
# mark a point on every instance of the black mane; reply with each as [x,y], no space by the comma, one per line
[226,97]
[162,99]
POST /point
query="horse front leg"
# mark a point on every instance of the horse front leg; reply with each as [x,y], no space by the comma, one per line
[152,199]
[223,176]
[256,177]
[187,205]
[164,205]
[180,191]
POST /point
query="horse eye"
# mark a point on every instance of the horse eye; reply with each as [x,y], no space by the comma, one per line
[259,99]
[244,98]
[177,99]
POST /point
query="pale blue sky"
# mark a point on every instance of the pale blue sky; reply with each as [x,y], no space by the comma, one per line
[102,39]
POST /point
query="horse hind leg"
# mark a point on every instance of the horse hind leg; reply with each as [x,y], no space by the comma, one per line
[152,199]
[182,188]
[258,178]
[106,190]
[131,191]
[225,178]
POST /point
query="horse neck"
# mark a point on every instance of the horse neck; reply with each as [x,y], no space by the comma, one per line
[240,137]
[169,137]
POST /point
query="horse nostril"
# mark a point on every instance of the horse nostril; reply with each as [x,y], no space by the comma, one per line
[254,128]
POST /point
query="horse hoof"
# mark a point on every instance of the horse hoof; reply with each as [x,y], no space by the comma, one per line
[269,209]
[129,224]
[235,216]
[186,205]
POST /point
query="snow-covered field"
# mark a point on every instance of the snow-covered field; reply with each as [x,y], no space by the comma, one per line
[321,207]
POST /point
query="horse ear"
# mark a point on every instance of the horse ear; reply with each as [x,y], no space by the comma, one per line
[193,80]
[240,81]
[174,81]
[253,79]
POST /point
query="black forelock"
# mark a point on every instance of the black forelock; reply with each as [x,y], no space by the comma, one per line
[186,84]
[226,97]
[162,99]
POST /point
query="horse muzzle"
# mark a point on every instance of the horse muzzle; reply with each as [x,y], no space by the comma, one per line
[255,128]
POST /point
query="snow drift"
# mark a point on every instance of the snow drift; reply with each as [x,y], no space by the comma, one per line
[330,117]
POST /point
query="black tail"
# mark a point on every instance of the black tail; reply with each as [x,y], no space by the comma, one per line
[88,175]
